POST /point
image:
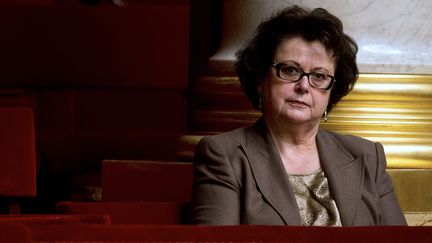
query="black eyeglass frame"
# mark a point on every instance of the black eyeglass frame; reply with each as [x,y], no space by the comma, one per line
[278,66]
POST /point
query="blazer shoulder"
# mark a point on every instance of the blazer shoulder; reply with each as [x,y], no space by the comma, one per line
[225,140]
[229,137]
[352,143]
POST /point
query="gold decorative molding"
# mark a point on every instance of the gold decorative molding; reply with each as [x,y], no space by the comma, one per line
[412,187]
[394,109]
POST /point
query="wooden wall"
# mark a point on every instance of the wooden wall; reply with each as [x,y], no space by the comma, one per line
[105,82]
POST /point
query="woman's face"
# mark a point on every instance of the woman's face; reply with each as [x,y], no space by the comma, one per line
[297,102]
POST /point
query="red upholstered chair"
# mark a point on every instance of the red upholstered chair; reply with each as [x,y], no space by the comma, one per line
[55,218]
[156,213]
[13,232]
[17,153]
[148,181]
[245,233]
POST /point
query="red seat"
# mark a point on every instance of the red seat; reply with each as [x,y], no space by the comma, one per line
[55,218]
[246,233]
[17,152]
[13,232]
[130,212]
[149,181]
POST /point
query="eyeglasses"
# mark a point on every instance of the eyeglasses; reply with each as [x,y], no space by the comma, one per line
[292,73]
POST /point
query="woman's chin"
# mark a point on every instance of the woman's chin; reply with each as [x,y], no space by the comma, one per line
[292,118]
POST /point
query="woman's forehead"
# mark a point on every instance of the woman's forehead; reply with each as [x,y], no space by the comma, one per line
[299,50]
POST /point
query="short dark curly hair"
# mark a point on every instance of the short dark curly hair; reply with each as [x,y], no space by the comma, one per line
[255,58]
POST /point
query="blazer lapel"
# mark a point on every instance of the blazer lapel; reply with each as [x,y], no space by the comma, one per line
[344,173]
[269,173]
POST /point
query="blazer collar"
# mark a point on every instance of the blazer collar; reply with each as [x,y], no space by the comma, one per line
[344,173]
[269,173]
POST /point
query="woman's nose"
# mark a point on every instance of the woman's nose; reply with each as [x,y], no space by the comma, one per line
[302,86]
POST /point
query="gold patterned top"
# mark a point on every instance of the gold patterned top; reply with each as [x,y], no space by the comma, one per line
[316,206]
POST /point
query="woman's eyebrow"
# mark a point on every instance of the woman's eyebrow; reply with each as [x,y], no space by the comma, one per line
[320,69]
[291,62]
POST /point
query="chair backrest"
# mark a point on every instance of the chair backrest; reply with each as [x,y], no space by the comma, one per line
[17,152]
[148,181]
[154,213]
[244,233]
[55,218]
[14,232]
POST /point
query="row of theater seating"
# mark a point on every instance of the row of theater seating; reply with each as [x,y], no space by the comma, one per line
[127,220]
[134,210]
[79,232]
[140,192]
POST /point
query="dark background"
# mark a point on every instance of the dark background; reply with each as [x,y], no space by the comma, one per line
[104,82]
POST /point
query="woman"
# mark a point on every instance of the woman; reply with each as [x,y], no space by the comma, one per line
[284,170]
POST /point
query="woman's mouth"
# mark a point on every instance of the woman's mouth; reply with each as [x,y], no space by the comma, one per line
[298,103]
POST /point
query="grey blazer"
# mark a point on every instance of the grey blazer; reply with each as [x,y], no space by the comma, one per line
[239,178]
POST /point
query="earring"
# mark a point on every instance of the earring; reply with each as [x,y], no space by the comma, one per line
[325,116]
[260,103]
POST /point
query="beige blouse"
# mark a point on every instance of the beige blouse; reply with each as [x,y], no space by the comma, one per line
[316,206]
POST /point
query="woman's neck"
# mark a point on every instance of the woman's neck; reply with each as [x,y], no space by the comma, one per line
[297,146]
[293,133]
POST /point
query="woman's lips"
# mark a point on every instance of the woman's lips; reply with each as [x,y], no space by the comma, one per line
[298,103]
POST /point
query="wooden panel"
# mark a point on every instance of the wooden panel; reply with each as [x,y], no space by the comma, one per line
[131,110]
[144,45]
[17,152]
[148,181]
[79,128]
[106,81]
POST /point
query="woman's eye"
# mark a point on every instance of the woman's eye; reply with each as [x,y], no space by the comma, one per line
[290,70]
[318,76]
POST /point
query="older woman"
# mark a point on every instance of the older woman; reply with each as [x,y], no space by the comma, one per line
[284,170]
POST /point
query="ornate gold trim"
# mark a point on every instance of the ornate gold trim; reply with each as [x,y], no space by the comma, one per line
[394,109]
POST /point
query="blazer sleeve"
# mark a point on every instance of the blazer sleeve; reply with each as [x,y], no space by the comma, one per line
[391,213]
[216,191]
